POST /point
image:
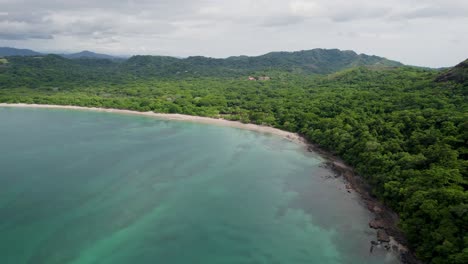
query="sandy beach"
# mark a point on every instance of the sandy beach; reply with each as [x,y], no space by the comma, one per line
[177,117]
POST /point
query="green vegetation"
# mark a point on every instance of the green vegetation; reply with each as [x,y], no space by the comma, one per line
[55,70]
[403,131]
[3,61]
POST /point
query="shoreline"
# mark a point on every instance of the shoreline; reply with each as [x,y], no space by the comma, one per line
[385,220]
[174,117]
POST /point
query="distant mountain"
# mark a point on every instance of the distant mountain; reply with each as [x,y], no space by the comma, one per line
[88,54]
[89,65]
[320,61]
[458,74]
[315,60]
[6,51]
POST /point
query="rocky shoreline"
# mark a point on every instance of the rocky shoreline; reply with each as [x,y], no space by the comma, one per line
[385,221]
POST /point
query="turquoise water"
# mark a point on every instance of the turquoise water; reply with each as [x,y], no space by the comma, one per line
[87,187]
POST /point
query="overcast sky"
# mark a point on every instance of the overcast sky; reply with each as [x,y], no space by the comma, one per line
[418,32]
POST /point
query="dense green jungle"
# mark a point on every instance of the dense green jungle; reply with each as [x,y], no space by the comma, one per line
[404,129]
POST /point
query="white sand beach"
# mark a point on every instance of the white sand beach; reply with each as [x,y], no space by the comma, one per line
[177,117]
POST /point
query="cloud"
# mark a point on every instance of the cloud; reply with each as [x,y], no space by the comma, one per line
[397,29]
[281,21]
[435,12]
[20,30]
[304,8]
[360,13]
[23,36]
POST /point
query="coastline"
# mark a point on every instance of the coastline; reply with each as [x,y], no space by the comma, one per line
[385,222]
[176,117]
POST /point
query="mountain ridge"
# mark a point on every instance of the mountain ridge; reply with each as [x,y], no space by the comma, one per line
[9,51]
[306,58]
[315,61]
[88,54]
[318,61]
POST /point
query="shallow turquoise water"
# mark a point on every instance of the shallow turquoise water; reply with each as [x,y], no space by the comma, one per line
[85,187]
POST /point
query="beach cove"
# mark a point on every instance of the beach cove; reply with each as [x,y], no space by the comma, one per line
[131,187]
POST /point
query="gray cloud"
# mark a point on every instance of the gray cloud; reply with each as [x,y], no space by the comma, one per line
[360,13]
[399,29]
[281,21]
[436,12]
[23,36]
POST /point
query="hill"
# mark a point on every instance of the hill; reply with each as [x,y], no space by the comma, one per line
[88,66]
[87,54]
[6,51]
[458,74]
[316,61]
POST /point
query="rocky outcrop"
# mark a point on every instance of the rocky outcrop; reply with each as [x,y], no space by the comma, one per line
[458,74]
[377,224]
[389,236]
[382,236]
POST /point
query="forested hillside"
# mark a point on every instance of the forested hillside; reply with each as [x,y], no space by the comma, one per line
[32,71]
[404,129]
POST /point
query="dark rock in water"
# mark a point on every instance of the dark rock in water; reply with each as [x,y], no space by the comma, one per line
[373,207]
[388,226]
[382,236]
[377,209]
[377,224]
[348,187]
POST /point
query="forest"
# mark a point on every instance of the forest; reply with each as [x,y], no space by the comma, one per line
[404,129]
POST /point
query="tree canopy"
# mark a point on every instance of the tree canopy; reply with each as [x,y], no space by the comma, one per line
[404,129]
